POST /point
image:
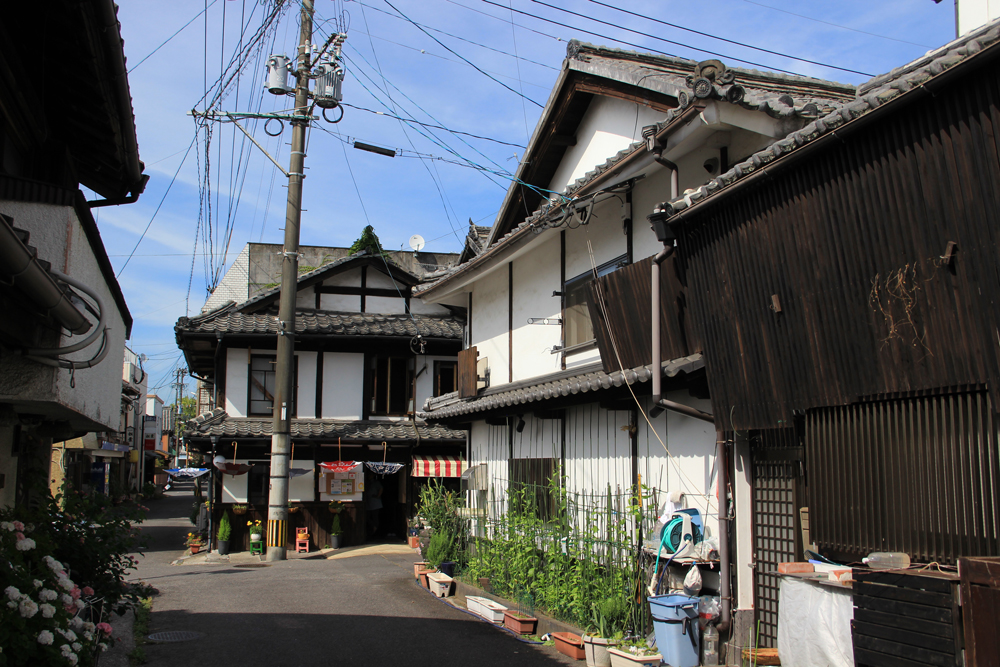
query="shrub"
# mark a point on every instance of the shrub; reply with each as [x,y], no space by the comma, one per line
[335,528]
[225,528]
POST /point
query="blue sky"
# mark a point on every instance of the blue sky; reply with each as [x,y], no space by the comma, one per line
[439,180]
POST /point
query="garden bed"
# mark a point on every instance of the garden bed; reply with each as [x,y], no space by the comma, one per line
[546,624]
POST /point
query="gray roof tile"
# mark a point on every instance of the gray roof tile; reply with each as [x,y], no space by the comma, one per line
[214,423]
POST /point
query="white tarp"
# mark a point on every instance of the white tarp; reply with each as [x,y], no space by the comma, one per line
[814,624]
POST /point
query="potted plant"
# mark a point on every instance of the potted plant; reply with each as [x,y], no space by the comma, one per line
[335,530]
[293,509]
[569,644]
[239,509]
[634,653]
[335,506]
[194,542]
[256,528]
[225,530]
[608,618]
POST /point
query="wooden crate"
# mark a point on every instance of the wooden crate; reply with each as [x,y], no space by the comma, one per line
[906,619]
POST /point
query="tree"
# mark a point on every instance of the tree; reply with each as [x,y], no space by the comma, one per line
[188,410]
[369,242]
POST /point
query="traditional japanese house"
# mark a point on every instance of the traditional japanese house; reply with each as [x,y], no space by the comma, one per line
[366,353]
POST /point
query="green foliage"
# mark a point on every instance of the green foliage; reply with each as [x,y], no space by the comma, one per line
[439,507]
[443,547]
[225,527]
[148,490]
[189,408]
[57,554]
[368,242]
[335,528]
[143,613]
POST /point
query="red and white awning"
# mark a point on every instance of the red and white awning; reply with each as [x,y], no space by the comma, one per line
[438,466]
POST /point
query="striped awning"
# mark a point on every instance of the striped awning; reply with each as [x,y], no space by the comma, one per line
[438,466]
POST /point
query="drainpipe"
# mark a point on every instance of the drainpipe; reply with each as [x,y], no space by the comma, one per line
[661,404]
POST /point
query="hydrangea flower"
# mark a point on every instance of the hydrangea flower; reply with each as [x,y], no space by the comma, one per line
[48,611]
[47,595]
[28,608]
[27,544]
[105,628]
[88,591]
[12,593]
[38,583]
[45,637]
[7,525]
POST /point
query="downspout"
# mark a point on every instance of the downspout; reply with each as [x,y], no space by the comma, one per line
[725,576]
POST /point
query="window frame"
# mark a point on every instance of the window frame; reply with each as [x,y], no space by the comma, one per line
[371,384]
[273,358]
[439,366]
[577,284]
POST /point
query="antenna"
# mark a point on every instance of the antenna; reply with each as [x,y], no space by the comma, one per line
[417,242]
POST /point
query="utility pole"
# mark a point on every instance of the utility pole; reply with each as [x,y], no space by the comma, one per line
[277,500]
[179,393]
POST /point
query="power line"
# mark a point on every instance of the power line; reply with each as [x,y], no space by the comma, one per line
[639,46]
[436,127]
[489,76]
[836,25]
[696,32]
[523,27]
[184,159]
[179,30]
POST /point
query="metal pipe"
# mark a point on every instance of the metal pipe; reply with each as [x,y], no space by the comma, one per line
[673,406]
[79,345]
[658,259]
[725,577]
[24,269]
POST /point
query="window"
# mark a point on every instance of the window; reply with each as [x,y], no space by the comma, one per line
[534,486]
[445,377]
[391,382]
[577,327]
[262,384]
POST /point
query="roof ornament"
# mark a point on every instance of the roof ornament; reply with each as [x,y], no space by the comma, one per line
[709,76]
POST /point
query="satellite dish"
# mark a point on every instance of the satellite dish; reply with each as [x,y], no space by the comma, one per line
[417,242]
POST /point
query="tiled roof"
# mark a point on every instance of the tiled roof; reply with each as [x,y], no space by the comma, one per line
[227,319]
[219,424]
[871,95]
[592,379]
[777,95]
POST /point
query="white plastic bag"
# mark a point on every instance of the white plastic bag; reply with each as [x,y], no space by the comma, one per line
[692,582]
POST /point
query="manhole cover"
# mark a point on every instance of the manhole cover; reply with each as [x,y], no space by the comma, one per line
[175,636]
[253,565]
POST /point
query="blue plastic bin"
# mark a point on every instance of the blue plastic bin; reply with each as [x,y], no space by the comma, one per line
[675,622]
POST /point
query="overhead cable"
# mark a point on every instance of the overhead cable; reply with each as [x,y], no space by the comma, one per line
[696,32]
[437,127]
[179,30]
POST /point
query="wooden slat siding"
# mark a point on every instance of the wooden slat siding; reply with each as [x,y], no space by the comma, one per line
[627,296]
[891,197]
[466,371]
[919,475]
[981,609]
[907,615]
[866,658]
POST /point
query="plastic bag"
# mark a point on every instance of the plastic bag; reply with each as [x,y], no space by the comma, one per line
[692,582]
[708,609]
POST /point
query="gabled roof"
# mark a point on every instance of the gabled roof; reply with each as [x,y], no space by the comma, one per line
[589,379]
[404,278]
[475,243]
[217,423]
[886,89]
[230,319]
[660,82]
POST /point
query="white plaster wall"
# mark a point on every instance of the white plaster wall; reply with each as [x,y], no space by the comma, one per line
[305,298]
[343,378]
[536,275]
[302,488]
[234,488]
[489,327]
[306,408]
[421,307]
[340,303]
[608,126]
[384,304]
[975,13]
[378,279]
[350,278]
[425,383]
[237,377]
[60,239]
[235,285]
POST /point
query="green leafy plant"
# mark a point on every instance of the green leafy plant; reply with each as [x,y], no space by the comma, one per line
[443,547]
[255,526]
[439,508]
[335,528]
[368,241]
[225,528]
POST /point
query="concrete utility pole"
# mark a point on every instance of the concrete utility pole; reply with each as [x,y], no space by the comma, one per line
[179,393]
[277,501]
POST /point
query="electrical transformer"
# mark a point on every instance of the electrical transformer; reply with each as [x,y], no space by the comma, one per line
[277,75]
[329,85]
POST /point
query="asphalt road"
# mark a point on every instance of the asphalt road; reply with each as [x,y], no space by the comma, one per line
[361,610]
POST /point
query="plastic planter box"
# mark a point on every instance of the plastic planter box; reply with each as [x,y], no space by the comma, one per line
[621,658]
[569,644]
[440,584]
[488,609]
[520,623]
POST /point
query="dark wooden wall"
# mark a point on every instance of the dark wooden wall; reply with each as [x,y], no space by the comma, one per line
[850,246]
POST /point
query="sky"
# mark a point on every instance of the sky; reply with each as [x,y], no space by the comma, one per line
[449,69]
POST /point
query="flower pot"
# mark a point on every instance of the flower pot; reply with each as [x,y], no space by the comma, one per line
[223,547]
[621,658]
[484,583]
[294,510]
[413,541]
[439,583]
[569,644]
[419,565]
[596,649]
[195,548]
[238,511]
[422,573]
[520,623]
[485,607]
[335,541]
[255,537]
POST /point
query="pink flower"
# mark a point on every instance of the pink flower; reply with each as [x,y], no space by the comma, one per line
[19,536]
[75,593]
[18,526]
[88,591]
[105,628]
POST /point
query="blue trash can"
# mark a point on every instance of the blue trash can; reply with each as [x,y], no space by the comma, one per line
[675,622]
